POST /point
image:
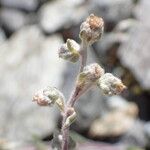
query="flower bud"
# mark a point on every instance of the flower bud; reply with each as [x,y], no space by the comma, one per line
[70,51]
[91,30]
[49,96]
[88,78]
[110,85]
[91,73]
[42,99]
[73,46]
[71,117]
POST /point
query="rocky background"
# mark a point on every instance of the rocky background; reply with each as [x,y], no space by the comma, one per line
[31,32]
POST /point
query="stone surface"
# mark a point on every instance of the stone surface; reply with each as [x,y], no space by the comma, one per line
[28,5]
[109,40]
[86,145]
[134,54]
[136,135]
[117,120]
[112,11]
[59,13]
[89,107]
[147,132]
[2,36]
[75,11]
[142,11]
[99,145]
[29,62]
[12,19]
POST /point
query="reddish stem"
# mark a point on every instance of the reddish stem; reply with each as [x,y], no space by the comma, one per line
[75,94]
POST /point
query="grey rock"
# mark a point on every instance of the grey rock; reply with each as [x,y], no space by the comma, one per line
[118,119]
[12,19]
[134,54]
[120,104]
[109,40]
[90,106]
[30,5]
[125,25]
[112,11]
[29,62]
[59,13]
[147,132]
[75,11]
[142,11]
[99,145]
[136,135]
[2,36]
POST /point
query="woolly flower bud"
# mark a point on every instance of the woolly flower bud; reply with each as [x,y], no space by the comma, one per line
[73,46]
[70,51]
[41,99]
[91,30]
[92,72]
[87,78]
[48,97]
[110,85]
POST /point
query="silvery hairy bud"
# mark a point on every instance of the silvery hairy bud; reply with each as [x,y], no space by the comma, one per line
[48,97]
[91,30]
[90,74]
[110,85]
[87,78]
[70,51]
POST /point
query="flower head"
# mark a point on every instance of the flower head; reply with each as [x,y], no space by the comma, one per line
[70,51]
[41,99]
[90,74]
[92,29]
[49,96]
[110,85]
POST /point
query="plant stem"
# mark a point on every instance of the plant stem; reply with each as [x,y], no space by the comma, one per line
[74,95]
[83,54]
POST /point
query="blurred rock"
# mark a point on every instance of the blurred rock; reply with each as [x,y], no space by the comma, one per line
[12,19]
[142,11]
[134,54]
[59,13]
[99,145]
[111,125]
[125,25]
[112,11]
[112,40]
[118,103]
[29,62]
[109,40]
[28,5]
[74,11]
[89,107]
[39,145]
[147,132]
[135,135]
[2,36]
[117,120]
